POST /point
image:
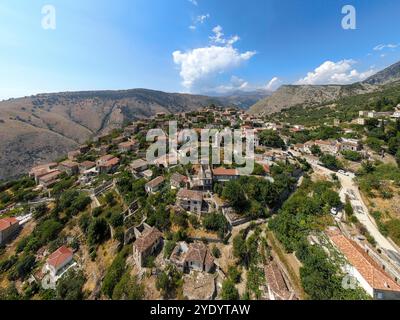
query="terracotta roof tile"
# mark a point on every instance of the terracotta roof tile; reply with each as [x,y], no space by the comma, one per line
[225,172]
[7,222]
[60,256]
[365,265]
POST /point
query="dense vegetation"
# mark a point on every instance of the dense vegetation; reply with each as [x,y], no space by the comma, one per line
[305,212]
[302,213]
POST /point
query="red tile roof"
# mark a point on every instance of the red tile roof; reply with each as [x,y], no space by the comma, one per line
[127,144]
[50,176]
[225,172]
[105,158]
[112,162]
[179,178]
[60,256]
[365,265]
[69,164]
[87,164]
[7,222]
[266,168]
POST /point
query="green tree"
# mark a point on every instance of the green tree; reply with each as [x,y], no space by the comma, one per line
[272,139]
[229,291]
[114,274]
[169,281]
[116,219]
[98,231]
[233,192]
[351,155]
[70,286]
[348,208]
[128,288]
[316,150]
[330,162]
[24,266]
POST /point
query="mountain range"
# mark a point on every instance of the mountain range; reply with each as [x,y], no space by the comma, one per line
[288,96]
[44,127]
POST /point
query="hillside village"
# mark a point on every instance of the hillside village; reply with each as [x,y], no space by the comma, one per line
[105,223]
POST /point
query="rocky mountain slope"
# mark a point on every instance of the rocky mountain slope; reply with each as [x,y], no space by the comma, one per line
[243,99]
[43,127]
[289,96]
[387,75]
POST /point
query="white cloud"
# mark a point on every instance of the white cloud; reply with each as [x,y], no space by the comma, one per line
[202,18]
[236,84]
[201,64]
[194,2]
[218,37]
[273,84]
[341,72]
[386,46]
[199,20]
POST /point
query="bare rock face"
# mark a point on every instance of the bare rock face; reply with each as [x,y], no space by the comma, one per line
[41,128]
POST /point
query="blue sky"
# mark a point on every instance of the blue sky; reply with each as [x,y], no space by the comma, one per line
[197,46]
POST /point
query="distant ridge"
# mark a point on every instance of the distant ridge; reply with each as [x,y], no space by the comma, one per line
[288,96]
[46,126]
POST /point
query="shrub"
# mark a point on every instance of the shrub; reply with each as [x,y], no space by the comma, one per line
[216,252]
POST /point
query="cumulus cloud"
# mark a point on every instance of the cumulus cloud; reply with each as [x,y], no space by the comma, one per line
[194,2]
[381,47]
[200,64]
[341,72]
[273,84]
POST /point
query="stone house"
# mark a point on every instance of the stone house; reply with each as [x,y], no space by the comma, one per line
[190,200]
[155,185]
[195,256]
[147,243]
[9,227]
